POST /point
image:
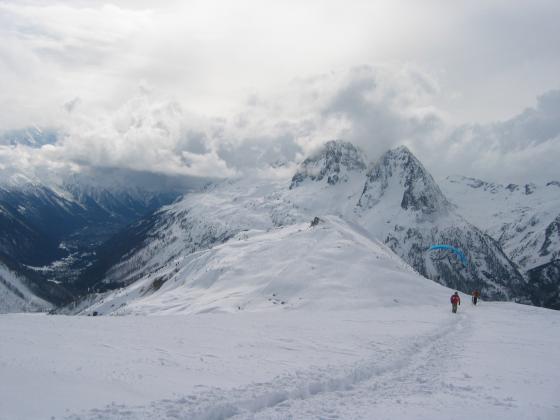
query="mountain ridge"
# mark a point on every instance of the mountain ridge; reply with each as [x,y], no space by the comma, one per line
[394,200]
[412,214]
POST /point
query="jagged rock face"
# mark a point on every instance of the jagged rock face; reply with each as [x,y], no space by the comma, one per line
[544,280]
[332,163]
[403,205]
[488,269]
[551,244]
[419,190]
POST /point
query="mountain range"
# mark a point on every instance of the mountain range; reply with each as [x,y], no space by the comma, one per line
[156,252]
[50,233]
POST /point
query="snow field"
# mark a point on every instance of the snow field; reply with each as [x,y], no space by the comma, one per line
[402,361]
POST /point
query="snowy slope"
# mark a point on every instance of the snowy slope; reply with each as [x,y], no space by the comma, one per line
[15,296]
[402,205]
[202,220]
[524,219]
[396,201]
[405,361]
[331,265]
[264,315]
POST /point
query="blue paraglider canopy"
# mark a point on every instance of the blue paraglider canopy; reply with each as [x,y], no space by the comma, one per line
[456,251]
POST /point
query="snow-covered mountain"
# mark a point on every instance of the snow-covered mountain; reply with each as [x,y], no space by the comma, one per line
[15,295]
[31,136]
[396,201]
[293,266]
[201,220]
[50,232]
[337,162]
[302,311]
[524,219]
[40,217]
[403,205]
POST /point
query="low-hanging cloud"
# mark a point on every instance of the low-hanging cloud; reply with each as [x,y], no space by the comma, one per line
[230,87]
[152,133]
[376,108]
[523,148]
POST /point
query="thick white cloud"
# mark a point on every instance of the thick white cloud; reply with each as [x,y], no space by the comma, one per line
[491,57]
[523,148]
[239,85]
[373,108]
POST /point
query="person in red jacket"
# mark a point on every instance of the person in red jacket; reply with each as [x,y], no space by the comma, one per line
[455,300]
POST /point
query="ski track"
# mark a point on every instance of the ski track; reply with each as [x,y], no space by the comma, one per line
[325,393]
[419,371]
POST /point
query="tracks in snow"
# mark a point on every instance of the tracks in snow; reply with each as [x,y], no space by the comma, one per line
[415,366]
[418,369]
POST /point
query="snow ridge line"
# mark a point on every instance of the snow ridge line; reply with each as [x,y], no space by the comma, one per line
[220,404]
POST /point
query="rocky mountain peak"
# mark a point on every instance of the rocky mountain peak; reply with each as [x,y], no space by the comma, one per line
[333,162]
[401,173]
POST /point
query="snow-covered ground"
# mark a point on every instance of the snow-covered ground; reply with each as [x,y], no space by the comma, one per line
[497,360]
[330,266]
[239,307]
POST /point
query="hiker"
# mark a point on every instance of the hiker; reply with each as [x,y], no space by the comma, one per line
[475,296]
[455,300]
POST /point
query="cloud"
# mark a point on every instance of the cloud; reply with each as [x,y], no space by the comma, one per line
[51,53]
[383,108]
[489,58]
[230,87]
[520,149]
[375,108]
[533,126]
[152,132]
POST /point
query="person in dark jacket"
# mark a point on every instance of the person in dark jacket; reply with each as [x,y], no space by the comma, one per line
[455,300]
[475,296]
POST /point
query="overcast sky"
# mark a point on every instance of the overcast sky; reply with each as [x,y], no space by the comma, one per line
[212,88]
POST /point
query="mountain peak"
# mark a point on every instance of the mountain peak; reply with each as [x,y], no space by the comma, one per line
[401,150]
[400,172]
[333,161]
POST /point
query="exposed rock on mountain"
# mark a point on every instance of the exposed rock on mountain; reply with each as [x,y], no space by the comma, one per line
[525,220]
[420,191]
[396,201]
[402,205]
[333,162]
